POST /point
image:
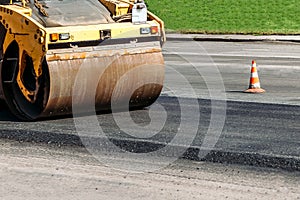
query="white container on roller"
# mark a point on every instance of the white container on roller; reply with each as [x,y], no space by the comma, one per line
[139,12]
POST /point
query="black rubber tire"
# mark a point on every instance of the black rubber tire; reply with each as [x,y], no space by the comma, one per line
[17,103]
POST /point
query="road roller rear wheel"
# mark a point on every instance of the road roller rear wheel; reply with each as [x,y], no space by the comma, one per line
[18,104]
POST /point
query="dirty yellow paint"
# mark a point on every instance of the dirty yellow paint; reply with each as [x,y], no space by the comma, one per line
[30,38]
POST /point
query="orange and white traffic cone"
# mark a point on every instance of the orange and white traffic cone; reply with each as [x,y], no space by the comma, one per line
[254,86]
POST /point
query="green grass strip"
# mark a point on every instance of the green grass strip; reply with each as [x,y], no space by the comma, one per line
[229,16]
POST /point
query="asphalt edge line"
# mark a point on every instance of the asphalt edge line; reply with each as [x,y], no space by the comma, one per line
[192,153]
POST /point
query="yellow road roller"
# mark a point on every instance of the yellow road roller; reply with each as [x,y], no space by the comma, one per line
[45,44]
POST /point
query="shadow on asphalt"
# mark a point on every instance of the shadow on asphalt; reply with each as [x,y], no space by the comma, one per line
[5,115]
[235,91]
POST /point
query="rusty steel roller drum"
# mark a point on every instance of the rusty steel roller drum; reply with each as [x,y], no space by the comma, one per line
[64,72]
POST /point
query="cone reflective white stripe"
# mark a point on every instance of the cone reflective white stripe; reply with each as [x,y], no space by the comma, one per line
[254,86]
[255,75]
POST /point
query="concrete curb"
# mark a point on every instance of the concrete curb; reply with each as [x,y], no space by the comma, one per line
[232,38]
